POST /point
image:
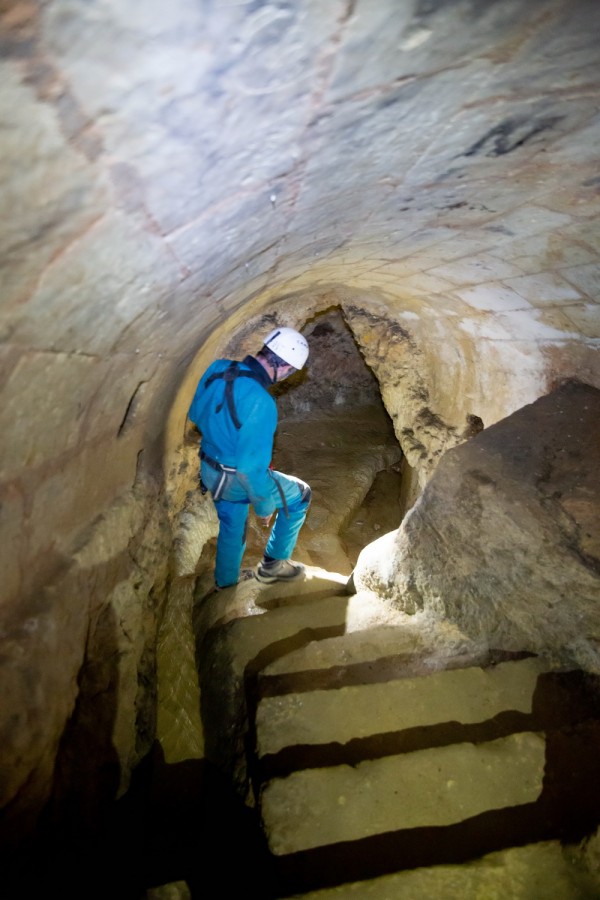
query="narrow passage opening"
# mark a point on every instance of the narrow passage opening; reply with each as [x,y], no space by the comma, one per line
[335,433]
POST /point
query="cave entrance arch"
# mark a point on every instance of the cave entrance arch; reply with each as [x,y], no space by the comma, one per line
[361,356]
[335,432]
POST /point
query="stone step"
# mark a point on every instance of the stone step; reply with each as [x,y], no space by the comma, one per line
[242,630]
[463,695]
[426,788]
[374,748]
[541,871]
[322,804]
[361,780]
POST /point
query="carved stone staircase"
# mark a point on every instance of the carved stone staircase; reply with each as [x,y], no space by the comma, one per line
[386,756]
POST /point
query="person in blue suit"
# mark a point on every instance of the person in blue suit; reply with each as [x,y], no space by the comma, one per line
[237,418]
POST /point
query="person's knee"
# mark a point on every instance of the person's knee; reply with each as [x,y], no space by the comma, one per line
[301,502]
[305,493]
[292,494]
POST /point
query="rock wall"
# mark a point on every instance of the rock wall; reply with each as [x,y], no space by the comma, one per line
[504,540]
[79,674]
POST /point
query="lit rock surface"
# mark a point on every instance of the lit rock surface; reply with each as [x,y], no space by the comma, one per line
[504,541]
[543,870]
[433,787]
[465,695]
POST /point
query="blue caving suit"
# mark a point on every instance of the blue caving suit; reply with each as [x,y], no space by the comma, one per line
[235,462]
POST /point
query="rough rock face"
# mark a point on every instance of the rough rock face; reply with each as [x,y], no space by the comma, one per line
[505,539]
[172,174]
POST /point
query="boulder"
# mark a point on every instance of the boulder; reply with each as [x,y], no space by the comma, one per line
[504,541]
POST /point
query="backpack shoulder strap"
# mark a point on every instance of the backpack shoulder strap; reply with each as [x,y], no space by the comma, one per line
[229,375]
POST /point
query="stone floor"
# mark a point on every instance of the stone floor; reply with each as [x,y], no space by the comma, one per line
[383,755]
[386,757]
[353,464]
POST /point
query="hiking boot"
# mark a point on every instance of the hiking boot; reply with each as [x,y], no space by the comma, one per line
[245,575]
[279,570]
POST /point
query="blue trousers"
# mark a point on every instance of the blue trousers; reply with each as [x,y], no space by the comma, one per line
[233,520]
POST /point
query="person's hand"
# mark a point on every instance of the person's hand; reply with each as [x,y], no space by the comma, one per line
[265,521]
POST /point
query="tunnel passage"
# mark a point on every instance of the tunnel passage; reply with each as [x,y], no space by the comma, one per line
[335,433]
[372,382]
[332,422]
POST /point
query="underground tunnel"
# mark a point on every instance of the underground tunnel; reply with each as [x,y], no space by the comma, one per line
[413,187]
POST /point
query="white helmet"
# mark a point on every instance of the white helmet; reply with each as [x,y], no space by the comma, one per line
[289,345]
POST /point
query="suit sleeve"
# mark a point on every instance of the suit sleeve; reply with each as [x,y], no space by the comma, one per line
[255,450]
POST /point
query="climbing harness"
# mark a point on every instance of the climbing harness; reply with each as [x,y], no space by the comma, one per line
[229,375]
[232,372]
[225,471]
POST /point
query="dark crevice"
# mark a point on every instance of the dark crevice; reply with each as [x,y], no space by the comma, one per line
[132,406]
[378,746]
[511,134]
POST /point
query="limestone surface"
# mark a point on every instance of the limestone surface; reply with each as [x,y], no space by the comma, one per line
[504,539]
[465,695]
[436,787]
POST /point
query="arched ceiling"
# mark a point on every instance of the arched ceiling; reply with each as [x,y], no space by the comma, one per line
[175,171]
[165,163]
